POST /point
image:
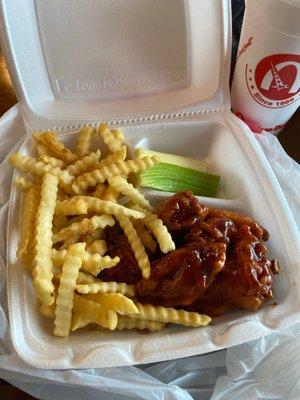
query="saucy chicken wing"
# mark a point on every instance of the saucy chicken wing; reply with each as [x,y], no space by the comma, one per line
[180,277]
[221,264]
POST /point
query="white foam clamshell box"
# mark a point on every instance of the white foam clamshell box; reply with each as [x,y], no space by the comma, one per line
[159,69]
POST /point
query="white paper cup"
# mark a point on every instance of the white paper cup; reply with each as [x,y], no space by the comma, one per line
[266,84]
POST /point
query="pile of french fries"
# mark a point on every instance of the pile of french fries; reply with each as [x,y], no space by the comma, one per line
[69,198]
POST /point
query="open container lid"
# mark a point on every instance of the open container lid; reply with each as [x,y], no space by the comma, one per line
[116,61]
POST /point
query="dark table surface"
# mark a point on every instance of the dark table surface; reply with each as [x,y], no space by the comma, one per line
[289,138]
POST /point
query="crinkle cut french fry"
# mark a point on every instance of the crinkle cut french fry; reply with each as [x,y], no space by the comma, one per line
[94,312]
[55,162]
[93,263]
[84,164]
[84,227]
[70,240]
[145,236]
[41,149]
[114,301]
[109,138]
[73,206]
[82,182]
[116,157]
[136,245]
[97,247]
[64,299]
[84,141]
[159,230]
[169,315]
[130,323]
[39,168]
[48,311]
[126,188]
[106,287]
[90,237]
[111,194]
[108,207]
[23,183]
[30,204]
[79,320]
[58,257]
[42,263]
[55,146]
[118,134]
[99,191]
[161,233]
[84,278]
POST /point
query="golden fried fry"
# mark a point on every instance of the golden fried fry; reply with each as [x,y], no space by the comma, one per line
[48,311]
[28,164]
[118,134]
[120,184]
[73,206]
[30,204]
[94,312]
[111,194]
[84,227]
[108,207]
[58,257]
[82,182]
[90,237]
[130,323]
[84,164]
[114,301]
[55,162]
[94,263]
[67,242]
[41,149]
[109,138]
[156,226]
[55,146]
[84,141]
[97,247]
[145,236]
[84,278]
[42,263]
[23,183]
[79,321]
[64,300]
[99,191]
[106,287]
[136,245]
[169,315]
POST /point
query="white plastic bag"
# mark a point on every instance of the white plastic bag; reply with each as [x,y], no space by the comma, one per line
[262,369]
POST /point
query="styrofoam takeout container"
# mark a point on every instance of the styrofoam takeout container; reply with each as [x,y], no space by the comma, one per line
[160,70]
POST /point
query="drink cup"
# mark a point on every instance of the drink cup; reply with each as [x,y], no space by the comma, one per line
[266,84]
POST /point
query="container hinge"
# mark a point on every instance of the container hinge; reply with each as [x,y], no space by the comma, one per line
[193,114]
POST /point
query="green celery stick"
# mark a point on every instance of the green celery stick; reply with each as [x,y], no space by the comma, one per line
[172,159]
[174,178]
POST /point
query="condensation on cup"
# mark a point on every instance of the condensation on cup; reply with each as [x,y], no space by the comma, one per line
[266,84]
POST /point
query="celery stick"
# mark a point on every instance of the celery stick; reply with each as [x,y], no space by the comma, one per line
[173,159]
[174,178]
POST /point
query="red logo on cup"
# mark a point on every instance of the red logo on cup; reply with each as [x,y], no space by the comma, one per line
[275,81]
